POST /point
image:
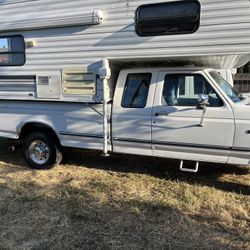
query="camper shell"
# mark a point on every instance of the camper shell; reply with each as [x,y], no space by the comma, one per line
[67,40]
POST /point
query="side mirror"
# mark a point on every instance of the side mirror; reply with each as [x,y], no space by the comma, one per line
[202,104]
[202,101]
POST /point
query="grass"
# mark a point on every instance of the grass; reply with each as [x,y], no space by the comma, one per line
[122,202]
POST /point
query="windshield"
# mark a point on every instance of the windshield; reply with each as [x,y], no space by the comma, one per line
[225,86]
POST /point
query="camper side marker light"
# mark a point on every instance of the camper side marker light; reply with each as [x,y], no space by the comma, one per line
[31,44]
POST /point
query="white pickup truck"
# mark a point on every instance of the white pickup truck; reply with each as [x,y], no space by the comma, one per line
[181,113]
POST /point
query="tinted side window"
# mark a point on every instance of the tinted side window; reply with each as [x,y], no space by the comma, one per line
[180,17]
[183,90]
[136,90]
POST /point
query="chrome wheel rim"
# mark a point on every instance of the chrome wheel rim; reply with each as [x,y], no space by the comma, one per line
[39,152]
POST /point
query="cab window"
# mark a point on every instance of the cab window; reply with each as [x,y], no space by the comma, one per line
[184,89]
[136,90]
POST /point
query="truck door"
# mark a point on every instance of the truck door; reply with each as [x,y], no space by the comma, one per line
[175,126]
[132,112]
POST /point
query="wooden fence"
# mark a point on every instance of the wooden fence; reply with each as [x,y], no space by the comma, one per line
[242,83]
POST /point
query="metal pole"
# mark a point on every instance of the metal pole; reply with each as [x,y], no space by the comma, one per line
[105,119]
[105,74]
[203,115]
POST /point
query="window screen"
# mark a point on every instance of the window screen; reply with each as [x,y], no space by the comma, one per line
[180,17]
[12,51]
[136,90]
[183,90]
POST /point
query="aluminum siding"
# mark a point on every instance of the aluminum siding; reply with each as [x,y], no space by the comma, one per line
[225,29]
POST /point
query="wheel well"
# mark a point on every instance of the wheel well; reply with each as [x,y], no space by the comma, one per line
[37,127]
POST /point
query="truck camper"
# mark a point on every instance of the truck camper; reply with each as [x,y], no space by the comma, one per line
[134,77]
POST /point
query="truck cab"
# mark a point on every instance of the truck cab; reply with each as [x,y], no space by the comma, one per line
[156,112]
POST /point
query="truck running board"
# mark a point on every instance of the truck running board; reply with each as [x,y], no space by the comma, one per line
[190,170]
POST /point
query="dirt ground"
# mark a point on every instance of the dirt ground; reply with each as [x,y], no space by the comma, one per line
[122,202]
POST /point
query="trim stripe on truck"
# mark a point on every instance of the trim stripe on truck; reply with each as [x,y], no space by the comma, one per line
[81,135]
[182,144]
[173,144]
[192,145]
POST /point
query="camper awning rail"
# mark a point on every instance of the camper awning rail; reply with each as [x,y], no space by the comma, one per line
[42,22]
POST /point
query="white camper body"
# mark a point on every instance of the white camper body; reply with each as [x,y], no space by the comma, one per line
[65,38]
[62,93]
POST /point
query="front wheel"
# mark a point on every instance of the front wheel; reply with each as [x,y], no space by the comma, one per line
[40,151]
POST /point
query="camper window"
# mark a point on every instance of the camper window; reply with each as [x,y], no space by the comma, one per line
[184,89]
[136,90]
[12,51]
[182,17]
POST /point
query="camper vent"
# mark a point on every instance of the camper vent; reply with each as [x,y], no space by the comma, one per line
[48,86]
[79,82]
[17,87]
[43,80]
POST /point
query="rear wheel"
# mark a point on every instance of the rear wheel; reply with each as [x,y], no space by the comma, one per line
[41,151]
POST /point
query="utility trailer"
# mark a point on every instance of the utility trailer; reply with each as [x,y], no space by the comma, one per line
[124,76]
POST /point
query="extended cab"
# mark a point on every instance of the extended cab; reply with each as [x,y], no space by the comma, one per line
[158,112]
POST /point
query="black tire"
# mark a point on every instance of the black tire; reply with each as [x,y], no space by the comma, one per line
[41,151]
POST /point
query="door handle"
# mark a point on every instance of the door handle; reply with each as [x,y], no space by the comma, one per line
[162,114]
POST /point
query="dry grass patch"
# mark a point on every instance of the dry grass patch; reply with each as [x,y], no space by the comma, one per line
[122,202]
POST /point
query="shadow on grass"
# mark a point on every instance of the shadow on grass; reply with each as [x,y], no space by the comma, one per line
[209,174]
[95,215]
